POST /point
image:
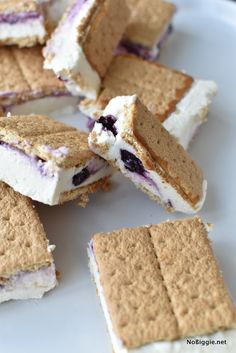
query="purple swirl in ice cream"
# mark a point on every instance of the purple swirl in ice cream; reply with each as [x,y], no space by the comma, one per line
[13,18]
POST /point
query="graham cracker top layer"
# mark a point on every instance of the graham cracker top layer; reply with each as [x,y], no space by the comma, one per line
[162,282]
[23,76]
[11,6]
[23,244]
[148,21]
[105,32]
[47,139]
[159,88]
[159,151]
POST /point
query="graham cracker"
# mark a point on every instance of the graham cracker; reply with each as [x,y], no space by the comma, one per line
[199,298]
[10,6]
[159,87]
[11,78]
[159,151]
[149,21]
[44,137]
[162,282]
[104,33]
[30,62]
[22,75]
[135,293]
[23,244]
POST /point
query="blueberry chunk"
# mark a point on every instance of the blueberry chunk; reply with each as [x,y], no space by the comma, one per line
[108,123]
[80,177]
[132,163]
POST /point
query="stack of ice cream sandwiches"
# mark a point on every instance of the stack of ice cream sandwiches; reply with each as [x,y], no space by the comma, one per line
[157,284]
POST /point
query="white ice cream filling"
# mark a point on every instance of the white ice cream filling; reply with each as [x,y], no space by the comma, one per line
[44,181]
[65,56]
[191,111]
[178,346]
[29,285]
[151,181]
[28,28]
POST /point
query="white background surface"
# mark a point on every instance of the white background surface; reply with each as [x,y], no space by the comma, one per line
[69,319]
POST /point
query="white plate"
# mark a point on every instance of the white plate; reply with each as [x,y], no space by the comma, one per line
[69,319]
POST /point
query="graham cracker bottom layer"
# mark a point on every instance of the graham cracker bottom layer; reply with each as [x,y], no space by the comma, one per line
[24,41]
[83,193]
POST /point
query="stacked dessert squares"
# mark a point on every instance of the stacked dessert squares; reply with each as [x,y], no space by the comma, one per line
[158,284]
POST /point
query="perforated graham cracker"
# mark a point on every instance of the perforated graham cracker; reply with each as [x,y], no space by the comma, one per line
[22,76]
[148,21]
[23,244]
[11,78]
[30,62]
[104,32]
[132,282]
[47,139]
[159,151]
[159,88]
[150,294]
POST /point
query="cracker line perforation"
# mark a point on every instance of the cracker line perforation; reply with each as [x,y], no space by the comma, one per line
[20,69]
[164,284]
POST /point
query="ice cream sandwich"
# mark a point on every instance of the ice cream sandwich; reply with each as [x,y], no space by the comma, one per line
[49,161]
[27,269]
[82,46]
[129,137]
[178,100]
[149,28]
[160,288]
[23,80]
[22,23]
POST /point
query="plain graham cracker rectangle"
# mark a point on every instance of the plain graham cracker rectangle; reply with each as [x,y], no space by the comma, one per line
[162,282]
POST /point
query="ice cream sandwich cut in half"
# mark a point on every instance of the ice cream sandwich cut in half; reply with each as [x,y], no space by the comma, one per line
[25,87]
[130,137]
[27,269]
[149,28]
[49,161]
[22,23]
[82,46]
[160,286]
[178,100]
